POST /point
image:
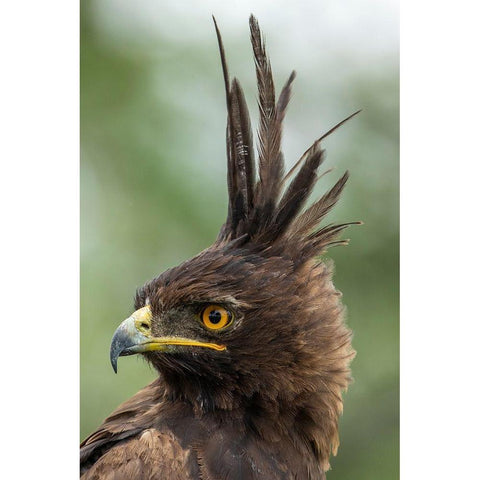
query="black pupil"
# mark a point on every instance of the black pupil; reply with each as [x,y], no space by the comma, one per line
[215,316]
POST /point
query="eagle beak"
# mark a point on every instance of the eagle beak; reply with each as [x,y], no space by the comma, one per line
[134,336]
[131,336]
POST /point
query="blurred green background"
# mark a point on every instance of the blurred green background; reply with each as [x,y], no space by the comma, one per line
[153,172]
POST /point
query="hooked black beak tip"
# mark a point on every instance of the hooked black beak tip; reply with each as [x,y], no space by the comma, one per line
[117,347]
[113,361]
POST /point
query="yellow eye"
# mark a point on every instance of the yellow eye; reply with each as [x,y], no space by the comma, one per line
[215,317]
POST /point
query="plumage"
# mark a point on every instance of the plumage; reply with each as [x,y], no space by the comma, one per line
[248,337]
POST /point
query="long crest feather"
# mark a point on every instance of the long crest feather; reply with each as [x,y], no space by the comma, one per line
[324,238]
[243,155]
[240,154]
[298,191]
[311,217]
[270,158]
[317,142]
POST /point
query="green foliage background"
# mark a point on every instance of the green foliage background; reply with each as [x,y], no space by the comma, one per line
[153,194]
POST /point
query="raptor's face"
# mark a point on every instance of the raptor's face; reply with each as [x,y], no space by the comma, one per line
[194,312]
[221,308]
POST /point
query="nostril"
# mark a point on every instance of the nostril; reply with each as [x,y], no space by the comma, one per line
[145,326]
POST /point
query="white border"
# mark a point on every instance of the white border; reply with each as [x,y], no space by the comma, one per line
[39,152]
[439,257]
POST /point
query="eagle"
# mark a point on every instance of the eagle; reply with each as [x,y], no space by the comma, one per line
[248,337]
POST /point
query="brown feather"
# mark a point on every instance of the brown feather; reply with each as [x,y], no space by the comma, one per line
[298,191]
[270,159]
[223,61]
[243,154]
[153,455]
[309,219]
[240,154]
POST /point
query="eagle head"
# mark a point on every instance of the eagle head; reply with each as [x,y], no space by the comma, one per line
[253,323]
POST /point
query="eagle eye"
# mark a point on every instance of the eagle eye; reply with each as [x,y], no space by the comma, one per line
[215,317]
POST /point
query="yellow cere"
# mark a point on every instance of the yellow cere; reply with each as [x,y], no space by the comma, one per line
[143,318]
[143,313]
